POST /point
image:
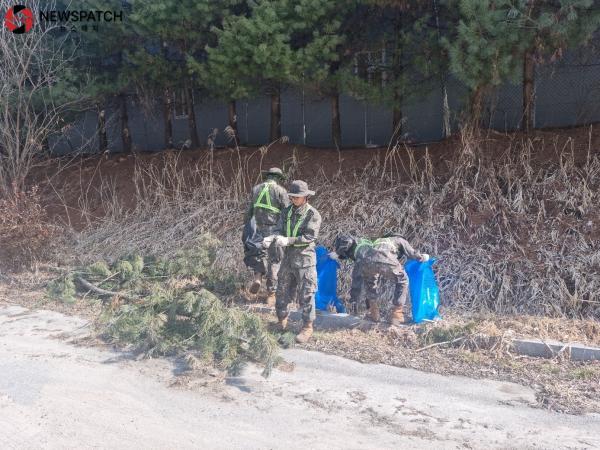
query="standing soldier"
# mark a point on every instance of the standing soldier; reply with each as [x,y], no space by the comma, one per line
[376,261]
[267,201]
[299,229]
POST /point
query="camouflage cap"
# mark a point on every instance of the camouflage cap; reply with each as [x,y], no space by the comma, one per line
[274,171]
[299,188]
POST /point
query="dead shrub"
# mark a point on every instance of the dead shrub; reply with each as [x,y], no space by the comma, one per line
[25,232]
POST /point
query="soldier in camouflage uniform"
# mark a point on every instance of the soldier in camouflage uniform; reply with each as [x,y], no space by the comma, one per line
[376,261]
[299,229]
[268,199]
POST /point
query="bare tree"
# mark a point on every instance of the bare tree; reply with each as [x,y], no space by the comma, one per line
[34,72]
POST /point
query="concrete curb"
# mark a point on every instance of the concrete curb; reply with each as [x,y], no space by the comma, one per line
[529,347]
[323,321]
[551,349]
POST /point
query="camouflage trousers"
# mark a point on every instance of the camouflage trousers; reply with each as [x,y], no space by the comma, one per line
[370,277]
[263,265]
[300,283]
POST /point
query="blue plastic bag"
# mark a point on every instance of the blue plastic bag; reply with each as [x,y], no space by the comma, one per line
[424,291]
[327,282]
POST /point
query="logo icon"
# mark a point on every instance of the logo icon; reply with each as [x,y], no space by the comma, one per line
[19,19]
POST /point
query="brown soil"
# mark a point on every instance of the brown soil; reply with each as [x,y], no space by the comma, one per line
[71,184]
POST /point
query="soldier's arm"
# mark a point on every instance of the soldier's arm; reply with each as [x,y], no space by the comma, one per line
[408,250]
[310,231]
[279,228]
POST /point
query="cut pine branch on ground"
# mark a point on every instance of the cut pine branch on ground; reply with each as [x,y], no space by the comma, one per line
[159,307]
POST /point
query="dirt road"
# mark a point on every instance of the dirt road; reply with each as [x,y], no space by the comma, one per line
[54,394]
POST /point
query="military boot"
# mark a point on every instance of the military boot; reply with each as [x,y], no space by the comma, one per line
[282,324]
[397,316]
[305,333]
[373,313]
[271,300]
[255,287]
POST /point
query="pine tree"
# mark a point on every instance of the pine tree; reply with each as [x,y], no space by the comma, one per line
[412,61]
[105,52]
[252,52]
[324,38]
[176,34]
[548,29]
[482,47]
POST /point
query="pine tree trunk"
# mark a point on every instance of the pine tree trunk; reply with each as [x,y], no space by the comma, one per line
[167,116]
[528,80]
[125,133]
[446,129]
[275,114]
[397,122]
[102,137]
[397,73]
[233,120]
[191,113]
[476,105]
[336,125]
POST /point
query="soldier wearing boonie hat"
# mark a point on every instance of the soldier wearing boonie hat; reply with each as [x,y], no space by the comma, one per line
[299,229]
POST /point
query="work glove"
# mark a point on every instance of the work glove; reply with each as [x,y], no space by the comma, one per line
[424,257]
[334,256]
[268,240]
[282,241]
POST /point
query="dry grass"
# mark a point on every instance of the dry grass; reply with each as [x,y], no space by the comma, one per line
[512,235]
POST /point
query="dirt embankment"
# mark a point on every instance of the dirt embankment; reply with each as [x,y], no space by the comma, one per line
[76,186]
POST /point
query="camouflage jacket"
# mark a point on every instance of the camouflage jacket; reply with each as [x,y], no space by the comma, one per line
[302,225]
[266,207]
[384,251]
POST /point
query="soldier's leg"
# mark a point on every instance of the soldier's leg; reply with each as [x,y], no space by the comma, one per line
[272,275]
[258,265]
[356,288]
[371,283]
[272,272]
[401,289]
[286,290]
[400,294]
[307,278]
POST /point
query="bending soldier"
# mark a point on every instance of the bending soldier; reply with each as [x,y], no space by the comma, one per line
[299,229]
[268,199]
[376,261]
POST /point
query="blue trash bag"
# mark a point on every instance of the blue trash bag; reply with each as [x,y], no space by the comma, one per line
[327,282]
[424,291]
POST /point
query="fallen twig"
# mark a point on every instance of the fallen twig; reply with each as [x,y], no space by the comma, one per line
[441,343]
[92,287]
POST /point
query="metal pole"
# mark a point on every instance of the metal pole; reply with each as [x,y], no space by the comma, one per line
[246,121]
[303,119]
[366,136]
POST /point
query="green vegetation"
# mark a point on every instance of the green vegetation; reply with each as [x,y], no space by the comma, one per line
[161,307]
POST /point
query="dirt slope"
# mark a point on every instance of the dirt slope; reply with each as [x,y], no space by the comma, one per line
[72,184]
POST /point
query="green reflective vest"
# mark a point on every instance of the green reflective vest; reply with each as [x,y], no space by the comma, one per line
[294,232]
[266,195]
[369,243]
